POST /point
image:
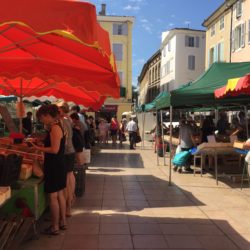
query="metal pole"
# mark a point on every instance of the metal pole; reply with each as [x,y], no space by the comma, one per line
[21,107]
[163,144]
[170,145]
[144,115]
[245,110]
[156,139]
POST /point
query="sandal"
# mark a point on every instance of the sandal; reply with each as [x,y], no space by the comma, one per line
[50,231]
[63,227]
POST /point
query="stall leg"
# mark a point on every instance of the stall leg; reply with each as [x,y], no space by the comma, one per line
[216,168]
[163,144]
[170,146]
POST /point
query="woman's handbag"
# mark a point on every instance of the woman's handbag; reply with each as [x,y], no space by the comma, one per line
[138,139]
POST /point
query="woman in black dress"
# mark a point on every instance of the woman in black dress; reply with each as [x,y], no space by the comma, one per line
[55,171]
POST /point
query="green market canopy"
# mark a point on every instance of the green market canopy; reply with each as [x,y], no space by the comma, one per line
[201,91]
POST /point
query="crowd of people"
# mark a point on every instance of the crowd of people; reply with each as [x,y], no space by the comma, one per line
[68,134]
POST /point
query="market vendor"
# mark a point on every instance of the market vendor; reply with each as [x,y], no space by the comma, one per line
[27,123]
[55,171]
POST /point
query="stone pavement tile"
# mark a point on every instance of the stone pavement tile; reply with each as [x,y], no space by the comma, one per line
[87,196]
[115,241]
[113,202]
[83,229]
[132,197]
[160,203]
[175,229]
[88,203]
[80,242]
[114,218]
[108,196]
[183,241]
[47,242]
[83,218]
[140,229]
[140,219]
[149,241]
[204,230]
[115,228]
[31,247]
[242,241]
[217,242]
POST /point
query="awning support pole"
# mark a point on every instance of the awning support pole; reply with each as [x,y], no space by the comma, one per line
[170,146]
[246,118]
[156,138]
[163,144]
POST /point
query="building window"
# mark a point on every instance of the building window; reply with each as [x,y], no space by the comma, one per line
[121,77]
[169,45]
[213,30]
[249,31]
[191,62]
[211,56]
[164,51]
[222,23]
[239,9]
[220,48]
[189,41]
[118,51]
[159,71]
[239,37]
[120,29]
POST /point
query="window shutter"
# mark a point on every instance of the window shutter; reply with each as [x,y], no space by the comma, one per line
[242,35]
[125,29]
[115,29]
[233,41]
[186,41]
[208,57]
[249,31]
[221,52]
[197,44]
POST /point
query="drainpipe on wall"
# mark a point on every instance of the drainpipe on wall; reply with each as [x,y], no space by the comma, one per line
[231,34]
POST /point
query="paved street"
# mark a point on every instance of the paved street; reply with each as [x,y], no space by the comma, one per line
[129,204]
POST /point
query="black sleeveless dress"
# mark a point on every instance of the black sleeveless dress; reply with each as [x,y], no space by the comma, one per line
[55,171]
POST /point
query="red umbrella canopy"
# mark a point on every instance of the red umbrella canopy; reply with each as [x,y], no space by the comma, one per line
[77,17]
[234,87]
[89,99]
[53,59]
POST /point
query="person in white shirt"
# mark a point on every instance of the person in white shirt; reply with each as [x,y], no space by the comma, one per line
[132,130]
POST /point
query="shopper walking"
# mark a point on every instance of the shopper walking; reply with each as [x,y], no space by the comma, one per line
[114,127]
[132,130]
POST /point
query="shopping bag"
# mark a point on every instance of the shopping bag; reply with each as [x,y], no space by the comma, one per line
[138,139]
[87,155]
[181,158]
[80,158]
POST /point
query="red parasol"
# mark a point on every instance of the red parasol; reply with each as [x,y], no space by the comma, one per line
[23,53]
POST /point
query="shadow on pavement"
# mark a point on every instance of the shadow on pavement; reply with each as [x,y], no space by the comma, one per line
[92,230]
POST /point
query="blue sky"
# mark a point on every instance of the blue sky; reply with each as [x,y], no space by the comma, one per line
[154,17]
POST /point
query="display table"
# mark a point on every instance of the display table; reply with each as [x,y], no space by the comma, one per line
[214,149]
[32,192]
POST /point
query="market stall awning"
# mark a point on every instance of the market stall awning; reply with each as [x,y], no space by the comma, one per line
[234,87]
[52,58]
[76,17]
[201,91]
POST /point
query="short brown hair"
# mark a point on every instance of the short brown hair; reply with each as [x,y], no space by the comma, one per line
[50,109]
[65,107]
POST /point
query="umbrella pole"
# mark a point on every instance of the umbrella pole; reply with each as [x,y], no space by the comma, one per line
[245,110]
[170,146]
[163,144]
[156,139]
[21,107]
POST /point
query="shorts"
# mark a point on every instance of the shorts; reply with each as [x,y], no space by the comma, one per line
[69,162]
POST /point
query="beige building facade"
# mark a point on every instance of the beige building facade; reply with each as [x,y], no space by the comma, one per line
[120,33]
[149,79]
[241,31]
[228,33]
